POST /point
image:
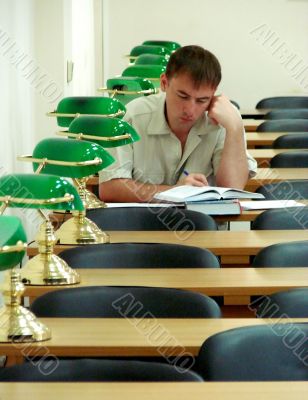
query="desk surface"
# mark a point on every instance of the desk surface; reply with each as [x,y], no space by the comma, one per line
[210,281]
[271,175]
[253,113]
[220,242]
[96,337]
[156,391]
[254,139]
[251,125]
[264,175]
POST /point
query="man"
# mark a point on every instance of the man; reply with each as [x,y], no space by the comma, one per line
[187,135]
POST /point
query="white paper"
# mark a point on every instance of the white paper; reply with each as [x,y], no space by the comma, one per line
[150,205]
[267,204]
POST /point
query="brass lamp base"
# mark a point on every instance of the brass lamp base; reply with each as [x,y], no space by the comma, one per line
[48,269]
[91,201]
[17,324]
[81,230]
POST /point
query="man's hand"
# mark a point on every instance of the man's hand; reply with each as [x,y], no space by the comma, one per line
[193,179]
[222,112]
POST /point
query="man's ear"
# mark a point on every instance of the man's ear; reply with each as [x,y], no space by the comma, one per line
[163,82]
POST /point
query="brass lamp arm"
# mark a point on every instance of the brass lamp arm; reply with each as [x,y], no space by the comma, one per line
[93,137]
[19,200]
[19,246]
[66,115]
[95,161]
[128,92]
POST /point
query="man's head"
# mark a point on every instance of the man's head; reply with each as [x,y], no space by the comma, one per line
[190,82]
[200,64]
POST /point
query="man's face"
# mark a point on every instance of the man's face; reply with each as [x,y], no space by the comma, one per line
[185,103]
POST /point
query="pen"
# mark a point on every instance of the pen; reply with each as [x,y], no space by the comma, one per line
[185,172]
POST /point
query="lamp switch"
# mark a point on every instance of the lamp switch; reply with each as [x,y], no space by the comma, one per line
[69,71]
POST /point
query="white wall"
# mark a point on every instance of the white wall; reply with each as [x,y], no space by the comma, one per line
[236,31]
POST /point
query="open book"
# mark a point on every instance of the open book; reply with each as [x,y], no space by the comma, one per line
[188,193]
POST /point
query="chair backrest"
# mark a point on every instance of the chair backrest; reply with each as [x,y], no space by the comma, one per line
[289,189]
[96,370]
[286,304]
[124,301]
[139,255]
[284,125]
[267,352]
[290,159]
[283,102]
[297,113]
[281,255]
[292,141]
[235,103]
[151,219]
[282,218]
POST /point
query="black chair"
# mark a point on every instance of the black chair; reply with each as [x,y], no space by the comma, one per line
[255,353]
[95,370]
[290,159]
[284,125]
[289,189]
[124,301]
[286,304]
[151,219]
[282,218]
[293,141]
[235,103]
[283,255]
[139,255]
[283,102]
[292,113]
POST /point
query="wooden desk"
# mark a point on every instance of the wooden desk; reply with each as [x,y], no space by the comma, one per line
[251,125]
[212,281]
[222,243]
[264,175]
[156,391]
[253,113]
[102,337]
[263,156]
[235,284]
[271,175]
[255,139]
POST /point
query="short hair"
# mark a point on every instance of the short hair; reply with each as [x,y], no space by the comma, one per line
[203,67]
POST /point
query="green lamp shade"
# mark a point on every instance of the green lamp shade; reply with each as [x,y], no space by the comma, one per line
[151,72]
[92,105]
[104,127]
[11,231]
[80,152]
[152,59]
[149,49]
[39,191]
[133,85]
[172,46]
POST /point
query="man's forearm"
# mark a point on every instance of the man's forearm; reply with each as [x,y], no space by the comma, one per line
[233,169]
[128,190]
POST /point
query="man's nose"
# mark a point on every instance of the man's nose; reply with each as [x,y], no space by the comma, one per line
[189,107]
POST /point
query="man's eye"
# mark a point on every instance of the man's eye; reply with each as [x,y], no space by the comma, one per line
[182,96]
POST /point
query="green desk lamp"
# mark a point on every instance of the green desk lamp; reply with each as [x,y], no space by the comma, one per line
[170,45]
[76,159]
[72,107]
[107,132]
[152,59]
[127,88]
[39,192]
[148,49]
[150,72]
[17,323]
